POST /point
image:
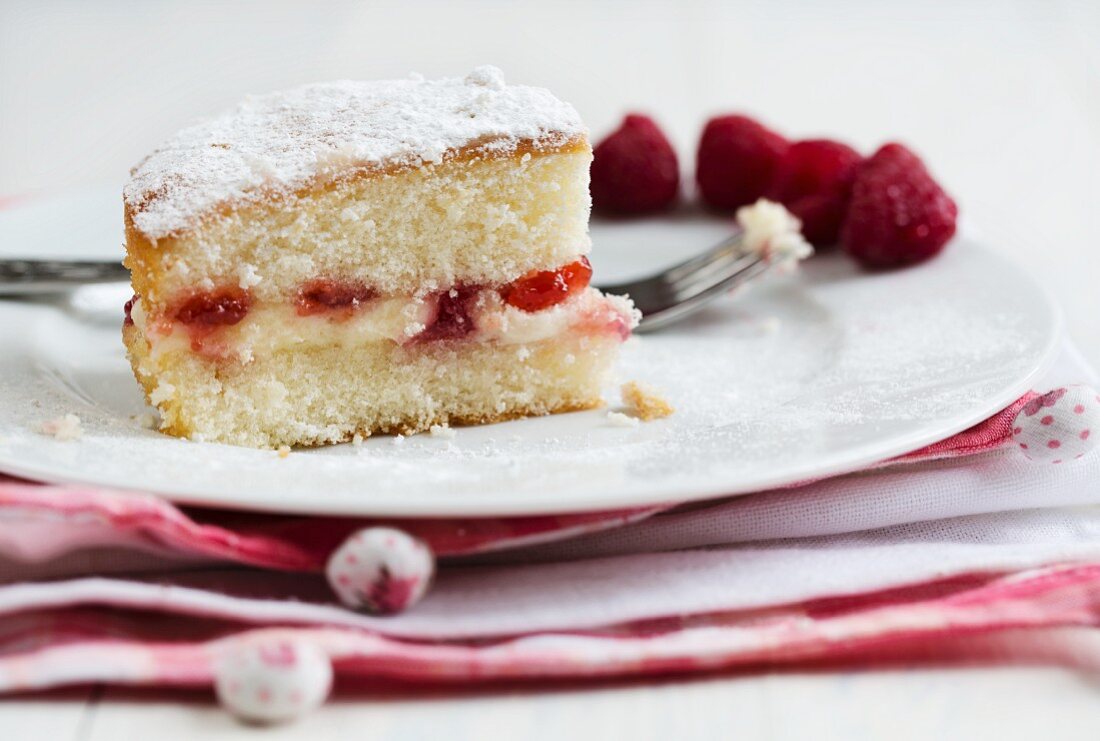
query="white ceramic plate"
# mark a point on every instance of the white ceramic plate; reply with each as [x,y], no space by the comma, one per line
[803,376]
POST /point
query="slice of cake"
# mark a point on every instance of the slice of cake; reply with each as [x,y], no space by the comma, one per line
[358,257]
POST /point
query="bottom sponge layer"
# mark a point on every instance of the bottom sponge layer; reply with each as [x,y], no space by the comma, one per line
[328,394]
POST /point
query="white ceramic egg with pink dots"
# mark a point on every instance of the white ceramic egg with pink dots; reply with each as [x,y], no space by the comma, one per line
[1060,425]
[381,570]
[273,680]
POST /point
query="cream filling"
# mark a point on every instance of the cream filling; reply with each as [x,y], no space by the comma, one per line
[270,328]
[589,311]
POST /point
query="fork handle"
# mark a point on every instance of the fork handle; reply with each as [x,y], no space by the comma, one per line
[28,277]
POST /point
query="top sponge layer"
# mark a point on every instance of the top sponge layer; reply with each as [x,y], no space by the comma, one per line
[281,142]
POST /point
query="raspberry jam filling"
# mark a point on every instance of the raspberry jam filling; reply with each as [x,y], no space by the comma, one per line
[323,295]
[447,315]
[205,313]
[541,289]
[218,308]
[453,319]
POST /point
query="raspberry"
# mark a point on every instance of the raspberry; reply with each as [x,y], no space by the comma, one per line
[635,170]
[898,215]
[541,289]
[814,181]
[736,161]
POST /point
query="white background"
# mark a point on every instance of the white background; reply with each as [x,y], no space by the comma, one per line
[1002,99]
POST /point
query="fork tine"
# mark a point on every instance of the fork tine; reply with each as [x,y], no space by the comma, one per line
[677,306]
[727,249]
[686,287]
[670,294]
[711,273]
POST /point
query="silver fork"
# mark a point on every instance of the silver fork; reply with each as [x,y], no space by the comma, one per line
[34,277]
[683,289]
[663,298]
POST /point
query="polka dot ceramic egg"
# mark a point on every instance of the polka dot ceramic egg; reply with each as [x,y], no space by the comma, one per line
[1060,425]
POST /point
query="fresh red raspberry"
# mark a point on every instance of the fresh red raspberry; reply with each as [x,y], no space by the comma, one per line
[736,161]
[898,215]
[814,181]
[635,170]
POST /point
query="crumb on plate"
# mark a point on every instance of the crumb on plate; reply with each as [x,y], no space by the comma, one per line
[441,431]
[644,402]
[66,427]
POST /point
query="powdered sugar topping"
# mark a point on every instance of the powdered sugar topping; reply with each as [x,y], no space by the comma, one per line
[280,141]
[487,76]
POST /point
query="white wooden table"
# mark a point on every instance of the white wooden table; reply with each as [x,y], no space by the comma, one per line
[896,704]
[1003,99]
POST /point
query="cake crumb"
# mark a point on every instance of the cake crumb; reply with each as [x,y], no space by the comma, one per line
[66,427]
[283,451]
[398,439]
[618,419]
[441,431]
[771,231]
[357,439]
[247,277]
[148,421]
[644,402]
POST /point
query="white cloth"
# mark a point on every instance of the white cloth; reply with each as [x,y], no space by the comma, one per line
[483,602]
